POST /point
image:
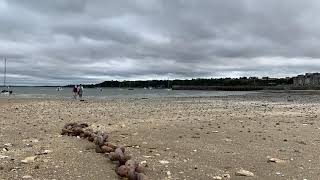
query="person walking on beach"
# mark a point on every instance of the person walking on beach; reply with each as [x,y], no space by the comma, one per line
[80,91]
[75,91]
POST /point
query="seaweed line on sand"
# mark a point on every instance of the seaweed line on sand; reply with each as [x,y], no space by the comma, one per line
[126,166]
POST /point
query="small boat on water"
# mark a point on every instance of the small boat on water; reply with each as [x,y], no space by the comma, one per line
[59,89]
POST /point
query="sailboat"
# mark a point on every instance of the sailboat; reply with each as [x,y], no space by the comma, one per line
[5,91]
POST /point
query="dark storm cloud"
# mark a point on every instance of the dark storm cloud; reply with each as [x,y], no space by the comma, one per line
[58,41]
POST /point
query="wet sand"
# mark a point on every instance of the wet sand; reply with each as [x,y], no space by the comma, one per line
[175,138]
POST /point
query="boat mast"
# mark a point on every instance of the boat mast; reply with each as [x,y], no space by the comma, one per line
[5,72]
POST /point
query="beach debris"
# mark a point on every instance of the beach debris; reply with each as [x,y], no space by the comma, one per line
[12,169]
[227,176]
[3,157]
[217,177]
[227,140]
[131,170]
[44,152]
[76,129]
[30,159]
[169,174]
[29,145]
[8,145]
[34,140]
[275,160]
[302,142]
[27,177]
[47,151]
[243,172]
[143,162]
[126,166]
[163,162]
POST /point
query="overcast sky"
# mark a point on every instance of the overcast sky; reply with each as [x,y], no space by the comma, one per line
[87,41]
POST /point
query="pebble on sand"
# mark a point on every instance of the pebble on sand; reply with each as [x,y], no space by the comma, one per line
[217,177]
[243,172]
[143,162]
[3,157]
[8,145]
[226,176]
[47,151]
[27,177]
[29,159]
[276,160]
[164,162]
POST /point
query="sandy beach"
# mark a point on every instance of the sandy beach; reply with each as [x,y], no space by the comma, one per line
[173,138]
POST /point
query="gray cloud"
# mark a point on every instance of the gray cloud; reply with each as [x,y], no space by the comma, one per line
[88,41]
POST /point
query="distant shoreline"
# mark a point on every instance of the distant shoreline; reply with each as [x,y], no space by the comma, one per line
[246,88]
[204,88]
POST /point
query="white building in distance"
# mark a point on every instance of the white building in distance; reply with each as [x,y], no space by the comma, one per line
[309,79]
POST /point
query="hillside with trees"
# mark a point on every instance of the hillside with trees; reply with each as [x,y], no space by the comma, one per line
[228,82]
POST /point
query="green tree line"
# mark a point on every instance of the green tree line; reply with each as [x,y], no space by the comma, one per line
[243,81]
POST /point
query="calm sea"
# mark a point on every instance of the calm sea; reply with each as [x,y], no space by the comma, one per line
[107,93]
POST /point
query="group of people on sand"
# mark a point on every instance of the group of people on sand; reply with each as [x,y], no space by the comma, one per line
[77,91]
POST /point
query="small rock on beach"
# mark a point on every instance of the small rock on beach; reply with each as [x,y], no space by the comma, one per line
[30,159]
[243,172]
